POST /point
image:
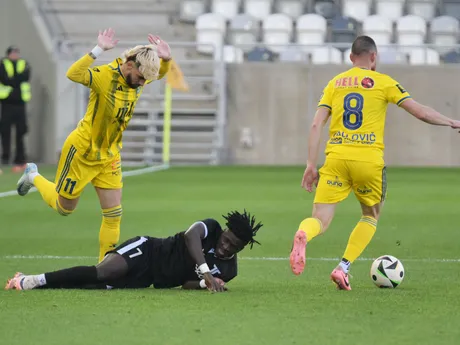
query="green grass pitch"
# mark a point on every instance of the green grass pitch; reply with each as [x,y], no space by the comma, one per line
[266,303]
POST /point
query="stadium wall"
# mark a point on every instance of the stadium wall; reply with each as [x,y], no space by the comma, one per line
[276,103]
[19,26]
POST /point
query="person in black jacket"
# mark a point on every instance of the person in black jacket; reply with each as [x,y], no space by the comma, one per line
[14,94]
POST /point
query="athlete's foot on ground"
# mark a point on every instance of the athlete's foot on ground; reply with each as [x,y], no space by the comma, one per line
[340,278]
[298,257]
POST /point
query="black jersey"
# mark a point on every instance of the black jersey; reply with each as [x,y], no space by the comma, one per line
[172,264]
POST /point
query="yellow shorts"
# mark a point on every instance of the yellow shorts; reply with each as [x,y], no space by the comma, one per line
[338,176]
[75,172]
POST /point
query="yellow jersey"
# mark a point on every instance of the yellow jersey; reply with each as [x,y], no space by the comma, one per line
[358,100]
[98,135]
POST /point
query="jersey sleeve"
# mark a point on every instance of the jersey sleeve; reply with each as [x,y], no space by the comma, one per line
[82,73]
[212,234]
[326,97]
[395,93]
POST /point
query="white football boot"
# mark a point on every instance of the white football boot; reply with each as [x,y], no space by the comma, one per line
[25,182]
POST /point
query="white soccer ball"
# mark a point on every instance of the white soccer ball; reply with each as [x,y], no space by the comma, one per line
[387,272]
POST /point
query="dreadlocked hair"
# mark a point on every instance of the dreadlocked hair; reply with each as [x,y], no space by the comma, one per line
[243,226]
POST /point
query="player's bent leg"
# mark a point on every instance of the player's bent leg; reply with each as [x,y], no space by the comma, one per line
[109,233]
[309,228]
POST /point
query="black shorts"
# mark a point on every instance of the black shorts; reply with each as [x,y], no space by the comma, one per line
[137,252]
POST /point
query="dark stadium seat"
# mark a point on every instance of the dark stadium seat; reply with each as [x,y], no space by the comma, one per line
[452,8]
[260,54]
[451,57]
[344,29]
[327,8]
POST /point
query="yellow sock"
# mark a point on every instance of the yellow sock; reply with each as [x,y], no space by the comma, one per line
[110,230]
[311,226]
[360,237]
[48,191]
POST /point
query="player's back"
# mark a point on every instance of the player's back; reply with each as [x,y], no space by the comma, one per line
[358,100]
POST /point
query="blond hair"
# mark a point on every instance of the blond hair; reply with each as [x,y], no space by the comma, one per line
[146,58]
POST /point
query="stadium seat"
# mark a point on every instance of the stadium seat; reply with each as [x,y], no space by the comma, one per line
[210,32]
[344,29]
[392,9]
[260,54]
[422,8]
[292,8]
[326,55]
[244,31]
[452,8]
[226,8]
[311,30]
[230,54]
[411,31]
[444,32]
[451,57]
[326,8]
[379,28]
[423,56]
[292,54]
[392,56]
[277,30]
[357,9]
[191,9]
[259,9]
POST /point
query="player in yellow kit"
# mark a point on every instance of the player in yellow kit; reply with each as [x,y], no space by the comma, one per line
[91,153]
[356,102]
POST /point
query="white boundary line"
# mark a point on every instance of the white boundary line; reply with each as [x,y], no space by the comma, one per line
[128,173]
[56,257]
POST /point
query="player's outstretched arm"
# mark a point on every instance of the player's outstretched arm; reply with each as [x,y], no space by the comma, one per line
[193,237]
[79,71]
[427,114]
[310,175]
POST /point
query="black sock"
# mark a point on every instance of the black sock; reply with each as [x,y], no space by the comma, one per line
[74,277]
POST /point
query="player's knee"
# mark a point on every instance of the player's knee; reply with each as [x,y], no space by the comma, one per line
[65,208]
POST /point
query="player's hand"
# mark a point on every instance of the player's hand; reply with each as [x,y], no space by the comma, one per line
[106,39]
[164,52]
[455,124]
[310,178]
[214,284]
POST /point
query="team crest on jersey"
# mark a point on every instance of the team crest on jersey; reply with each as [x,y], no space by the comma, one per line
[367,83]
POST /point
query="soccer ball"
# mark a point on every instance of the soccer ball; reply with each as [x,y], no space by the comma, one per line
[387,272]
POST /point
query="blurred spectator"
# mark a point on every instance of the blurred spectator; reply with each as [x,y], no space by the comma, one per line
[14,94]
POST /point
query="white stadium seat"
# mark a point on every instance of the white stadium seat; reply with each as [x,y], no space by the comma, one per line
[226,8]
[259,9]
[444,32]
[422,8]
[292,8]
[392,9]
[277,29]
[326,55]
[423,56]
[357,9]
[292,54]
[230,54]
[244,30]
[210,32]
[311,30]
[411,30]
[191,9]
[379,28]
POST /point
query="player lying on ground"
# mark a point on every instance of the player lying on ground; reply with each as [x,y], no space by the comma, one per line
[356,101]
[203,256]
[91,153]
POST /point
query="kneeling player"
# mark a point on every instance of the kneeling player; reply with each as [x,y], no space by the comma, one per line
[202,257]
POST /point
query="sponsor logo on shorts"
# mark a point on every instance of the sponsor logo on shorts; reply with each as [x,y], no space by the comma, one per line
[364,190]
[335,182]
